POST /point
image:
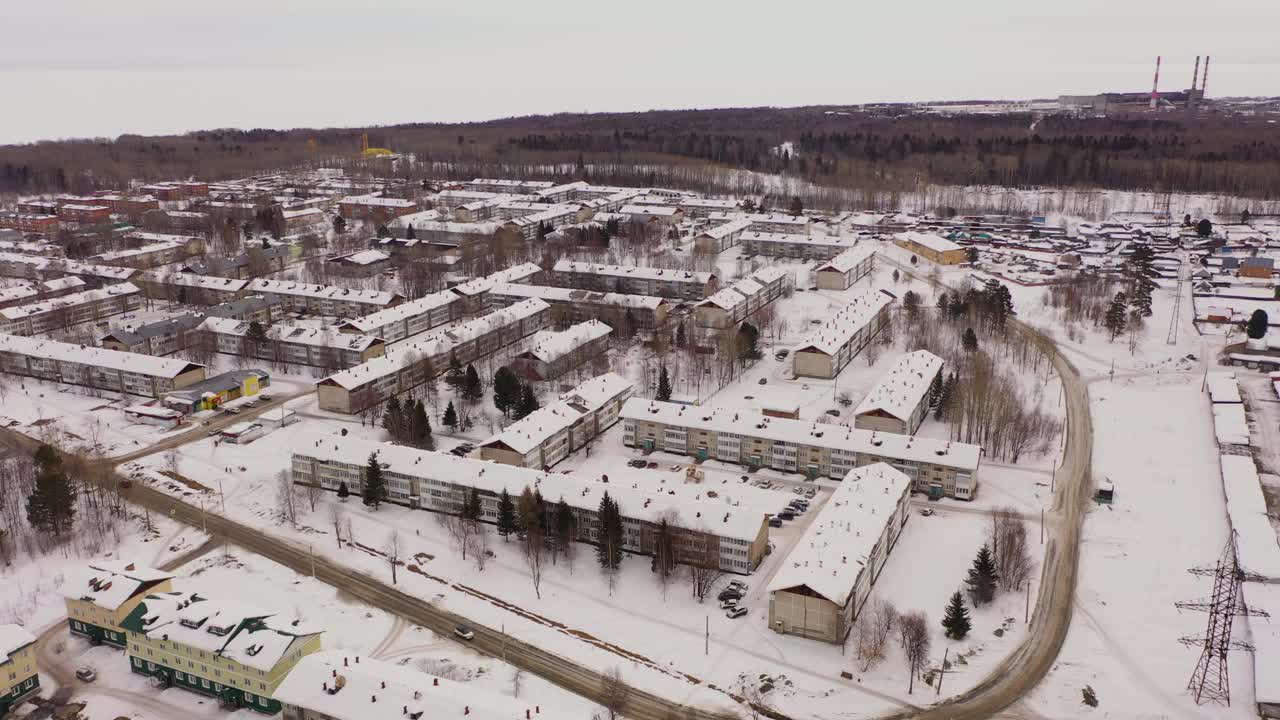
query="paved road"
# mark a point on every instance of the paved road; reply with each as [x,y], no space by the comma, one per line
[1031,661]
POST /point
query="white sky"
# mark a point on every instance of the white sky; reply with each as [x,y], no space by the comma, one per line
[101,68]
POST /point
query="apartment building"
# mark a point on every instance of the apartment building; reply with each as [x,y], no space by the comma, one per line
[663,214]
[846,268]
[374,208]
[553,353]
[640,313]
[30,222]
[709,531]
[629,279]
[84,214]
[823,583]
[792,245]
[300,220]
[191,289]
[160,338]
[555,216]
[731,305]
[18,245]
[475,293]
[409,318]
[146,256]
[769,223]
[512,187]
[103,593]
[19,677]
[936,467]
[95,367]
[132,206]
[360,264]
[70,310]
[899,402]
[291,345]
[409,365]
[703,207]
[219,647]
[721,237]
[47,290]
[253,262]
[550,434]
[327,300]
[931,246]
[829,347]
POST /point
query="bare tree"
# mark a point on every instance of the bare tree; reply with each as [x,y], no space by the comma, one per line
[335,516]
[534,551]
[460,529]
[287,497]
[517,681]
[704,576]
[915,634]
[392,550]
[1008,539]
[313,493]
[615,692]
[479,540]
[872,630]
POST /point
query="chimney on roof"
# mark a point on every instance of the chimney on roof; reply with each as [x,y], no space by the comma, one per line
[373,698]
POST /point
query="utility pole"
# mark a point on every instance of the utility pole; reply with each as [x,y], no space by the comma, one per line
[1041,526]
[311,549]
[222,495]
[504,641]
[1026,611]
[942,670]
[706,650]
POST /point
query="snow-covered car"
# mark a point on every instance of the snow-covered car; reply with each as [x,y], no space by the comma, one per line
[464,632]
[86,674]
[735,613]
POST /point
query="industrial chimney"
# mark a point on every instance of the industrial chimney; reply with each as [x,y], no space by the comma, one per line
[1204,81]
[1155,85]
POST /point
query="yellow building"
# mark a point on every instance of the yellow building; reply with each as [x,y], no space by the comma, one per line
[225,649]
[103,595]
[18,676]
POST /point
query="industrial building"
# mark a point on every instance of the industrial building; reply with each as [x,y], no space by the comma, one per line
[822,584]
[98,368]
[936,467]
[900,400]
[847,268]
[103,593]
[550,434]
[707,531]
[829,347]
[931,247]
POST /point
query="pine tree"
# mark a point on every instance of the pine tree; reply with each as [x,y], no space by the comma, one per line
[1138,272]
[255,336]
[393,420]
[1204,228]
[506,514]
[375,486]
[682,339]
[982,577]
[51,506]
[944,397]
[451,417]
[471,507]
[422,427]
[969,340]
[609,549]
[1115,318]
[566,525]
[956,618]
[911,304]
[410,233]
[1257,328]
[935,390]
[664,385]
[472,389]
[455,376]
[506,390]
[528,402]
[344,492]
[944,304]
[748,343]
[896,275]
[797,207]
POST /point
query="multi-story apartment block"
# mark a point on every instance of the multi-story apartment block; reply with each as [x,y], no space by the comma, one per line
[84,214]
[374,208]
[19,678]
[216,647]
[766,223]
[554,216]
[553,353]
[624,313]
[70,310]
[900,400]
[936,467]
[721,237]
[327,300]
[674,284]
[794,245]
[192,289]
[25,294]
[104,592]
[823,583]
[146,256]
[475,293]
[663,214]
[410,364]
[709,531]
[95,367]
[847,268]
[829,347]
[703,207]
[513,187]
[550,434]
[289,345]
[731,305]
[409,318]
[30,222]
[160,338]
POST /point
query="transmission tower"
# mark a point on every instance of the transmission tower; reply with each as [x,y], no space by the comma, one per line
[1209,681]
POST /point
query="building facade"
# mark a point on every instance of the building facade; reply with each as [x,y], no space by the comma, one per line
[19,678]
[845,269]
[550,434]
[931,247]
[900,400]
[629,279]
[829,348]
[103,594]
[98,368]
[70,310]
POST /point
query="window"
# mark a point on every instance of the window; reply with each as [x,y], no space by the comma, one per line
[179,675]
[204,683]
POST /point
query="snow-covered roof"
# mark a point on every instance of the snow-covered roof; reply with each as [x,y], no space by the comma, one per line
[515,274]
[798,239]
[304,212]
[549,345]
[695,511]
[1223,388]
[109,583]
[1247,509]
[99,357]
[296,335]
[290,287]
[414,219]
[559,294]
[900,390]
[650,210]
[933,241]
[535,428]
[377,690]
[1229,424]
[834,549]
[849,259]
[192,280]
[375,201]
[18,292]
[762,218]
[126,254]
[726,205]
[154,237]
[433,344]
[64,283]
[413,308]
[724,230]
[648,273]
[66,301]
[154,411]
[12,639]
[833,436]
[1264,634]
[247,634]
[363,257]
[504,183]
[842,326]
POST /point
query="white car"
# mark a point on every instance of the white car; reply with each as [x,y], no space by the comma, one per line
[728,604]
[464,632]
[738,585]
[735,613]
[86,674]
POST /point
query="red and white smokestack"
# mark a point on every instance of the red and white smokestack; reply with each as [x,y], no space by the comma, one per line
[1195,74]
[1155,85]
[1204,81]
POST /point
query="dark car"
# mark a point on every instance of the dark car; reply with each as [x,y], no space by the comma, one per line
[833,412]
[775,522]
[729,594]
[787,515]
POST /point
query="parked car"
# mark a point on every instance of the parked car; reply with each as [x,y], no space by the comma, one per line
[775,522]
[782,354]
[636,463]
[729,594]
[126,484]
[215,431]
[652,465]
[233,410]
[465,632]
[86,674]
[735,613]
[726,604]
[764,381]
[926,511]
[266,397]
[787,515]
[811,492]
[738,585]
[833,412]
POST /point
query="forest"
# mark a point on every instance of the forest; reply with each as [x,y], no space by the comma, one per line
[885,149]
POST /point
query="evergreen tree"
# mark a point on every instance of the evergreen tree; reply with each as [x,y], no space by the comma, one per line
[375,486]
[1138,273]
[971,253]
[935,390]
[944,398]
[956,618]
[51,506]
[393,420]
[451,417]
[664,549]
[506,390]
[1257,328]
[472,389]
[383,232]
[1115,318]
[664,385]
[748,343]
[566,525]
[1204,228]
[944,304]
[911,304]
[969,340]
[256,336]
[506,514]
[682,339]
[339,224]
[344,492]
[471,507]
[410,234]
[1244,217]
[422,427]
[797,207]
[982,577]
[609,549]
[528,402]
[455,376]
[896,275]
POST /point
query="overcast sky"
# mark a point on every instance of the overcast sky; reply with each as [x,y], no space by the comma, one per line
[71,68]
